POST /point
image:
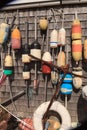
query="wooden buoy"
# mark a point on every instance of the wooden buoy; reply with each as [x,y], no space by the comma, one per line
[77,81]
[85,49]
[76,50]
[4,32]
[16,39]
[26,72]
[43,23]
[66,87]
[76,30]
[45,68]
[54,39]
[62,37]
[61,61]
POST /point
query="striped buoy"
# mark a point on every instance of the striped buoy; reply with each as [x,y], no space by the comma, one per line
[54,39]
[62,37]
[85,49]
[16,39]
[45,68]
[35,49]
[76,30]
[77,81]
[66,87]
[61,61]
[43,23]
[25,53]
[8,65]
[26,72]
[4,32]
[76,49]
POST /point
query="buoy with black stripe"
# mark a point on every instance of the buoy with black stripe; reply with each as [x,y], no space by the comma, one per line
[77,81]
[66,86]
[77,50]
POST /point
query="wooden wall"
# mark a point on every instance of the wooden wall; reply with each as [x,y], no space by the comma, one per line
[75,101]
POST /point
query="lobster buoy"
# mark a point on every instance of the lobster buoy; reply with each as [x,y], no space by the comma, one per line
[43,23]
[45,68]
[8,65]
[84,92]
[54,77]
[55,107]
[76,30]
[25,54]
[77,81]
[61,61]
[66,87]
[26,72]
[4,32]
[16,39]
[85,49]
[35,50]
[62,37]
[54,39]
[76,50]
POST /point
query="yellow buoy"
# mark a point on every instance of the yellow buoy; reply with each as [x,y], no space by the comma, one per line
[76,49]
[43,23]
[8,61]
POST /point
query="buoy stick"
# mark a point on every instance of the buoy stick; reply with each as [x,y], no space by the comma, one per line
[45,91]
[27,91]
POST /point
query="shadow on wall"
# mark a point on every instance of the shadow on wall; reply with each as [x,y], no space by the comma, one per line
[82,109]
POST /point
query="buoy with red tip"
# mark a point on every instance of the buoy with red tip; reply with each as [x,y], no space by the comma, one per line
[76,29]
[77,50]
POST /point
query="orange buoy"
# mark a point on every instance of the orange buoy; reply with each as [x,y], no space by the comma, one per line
[43,23]
[76,30]
[61,61]
[85,49]
[76,50]
[62,37]
[54,39]
[16,39]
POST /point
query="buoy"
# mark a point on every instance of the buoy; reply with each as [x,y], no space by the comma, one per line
[76,50]
[45,68]
[43,23]
[54,77]
[84,92]
[62,37]
[26,72]
[4,32]
[76,30]
[85,49]
[61,61]
[16,38]
[66,87]
[54,39]
[77,81]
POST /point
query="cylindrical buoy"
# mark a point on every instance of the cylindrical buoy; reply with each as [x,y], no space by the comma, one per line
[35,49]
[66,86]
[8,65]
[77,81]
[25,53]
[4,32]
[26,72]
[54,77]
[54,39]
[76,30]
[43,23]
[61,61]
[85,49]
[76,49]
[45,68]
[62,37]
[16,39]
